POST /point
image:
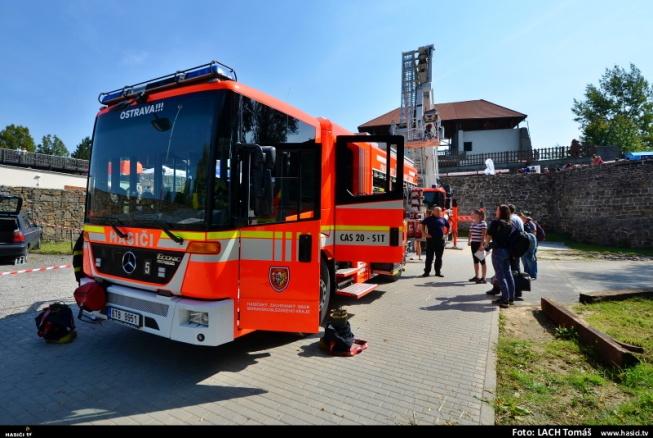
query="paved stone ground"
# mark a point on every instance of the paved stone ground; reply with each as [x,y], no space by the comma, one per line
[430,357]
[430,361]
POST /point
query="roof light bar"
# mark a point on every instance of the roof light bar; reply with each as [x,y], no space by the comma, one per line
[205,72]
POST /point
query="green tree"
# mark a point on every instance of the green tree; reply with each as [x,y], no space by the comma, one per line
[83,150]
[16,137]
[619,111]
[52,145]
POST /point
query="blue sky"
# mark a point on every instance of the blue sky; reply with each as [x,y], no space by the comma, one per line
[338,59]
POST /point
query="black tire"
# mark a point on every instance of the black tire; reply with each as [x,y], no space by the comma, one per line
[325,290]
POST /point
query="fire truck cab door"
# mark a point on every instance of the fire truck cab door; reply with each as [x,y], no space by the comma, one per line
[279,284]
[369,205]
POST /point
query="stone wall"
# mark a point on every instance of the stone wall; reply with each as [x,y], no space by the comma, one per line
[59,212]
[531,192]
[610,205]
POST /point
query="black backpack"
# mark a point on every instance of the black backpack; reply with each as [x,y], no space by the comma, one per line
[56,324]
[518,243]
[539,232]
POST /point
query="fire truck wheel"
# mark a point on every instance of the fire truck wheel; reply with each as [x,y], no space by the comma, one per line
[325,290]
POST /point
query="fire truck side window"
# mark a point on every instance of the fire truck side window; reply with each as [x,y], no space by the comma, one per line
[345,164]
[363,169]
[295,184]
[296,172]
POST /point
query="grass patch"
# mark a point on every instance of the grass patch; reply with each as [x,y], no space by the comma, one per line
[545,377]
[601,249]
[629,321]
[54,248]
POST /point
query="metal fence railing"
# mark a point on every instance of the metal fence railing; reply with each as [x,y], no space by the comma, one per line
[512,157]
[43,161]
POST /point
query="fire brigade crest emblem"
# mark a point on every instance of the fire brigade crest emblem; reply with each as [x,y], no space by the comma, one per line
[279,277]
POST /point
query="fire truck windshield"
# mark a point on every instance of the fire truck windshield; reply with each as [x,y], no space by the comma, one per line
[151,164]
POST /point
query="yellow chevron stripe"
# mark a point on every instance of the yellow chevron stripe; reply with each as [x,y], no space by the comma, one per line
[94,228]
[362,228]
[186,235]
[257,234]
[216,235]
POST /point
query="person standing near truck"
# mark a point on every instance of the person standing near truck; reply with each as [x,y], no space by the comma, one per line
[435,228]
[529,260]
[518,224]
[498,239]
[477,233]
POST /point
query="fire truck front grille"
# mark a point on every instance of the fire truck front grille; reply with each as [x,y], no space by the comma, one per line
[136,304]
[142,264]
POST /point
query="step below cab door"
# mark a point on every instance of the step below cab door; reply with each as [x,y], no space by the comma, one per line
[369,199]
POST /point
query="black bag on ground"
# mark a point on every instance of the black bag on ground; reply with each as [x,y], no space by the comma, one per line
[518,243]
[340,335]
[522,282]
[56,324]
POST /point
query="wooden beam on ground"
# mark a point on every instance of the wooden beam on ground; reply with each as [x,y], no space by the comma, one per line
[614,295]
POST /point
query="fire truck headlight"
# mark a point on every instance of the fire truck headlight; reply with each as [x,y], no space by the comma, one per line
[201,318]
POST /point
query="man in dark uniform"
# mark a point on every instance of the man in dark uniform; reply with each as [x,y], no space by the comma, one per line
[435,228]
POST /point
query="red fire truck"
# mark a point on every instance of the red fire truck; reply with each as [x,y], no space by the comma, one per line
[214,210]
[421,200]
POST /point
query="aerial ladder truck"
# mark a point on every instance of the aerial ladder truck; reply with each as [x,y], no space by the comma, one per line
[420,125]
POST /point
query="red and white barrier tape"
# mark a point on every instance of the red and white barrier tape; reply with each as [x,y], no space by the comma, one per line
[41,269]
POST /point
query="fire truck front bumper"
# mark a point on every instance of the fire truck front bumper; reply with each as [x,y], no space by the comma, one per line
[195,322]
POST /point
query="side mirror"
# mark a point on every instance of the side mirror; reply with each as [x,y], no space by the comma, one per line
[263,205]
[270,154]
[161,124]
[262,160]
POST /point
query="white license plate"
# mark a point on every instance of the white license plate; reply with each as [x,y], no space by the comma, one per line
[129,318]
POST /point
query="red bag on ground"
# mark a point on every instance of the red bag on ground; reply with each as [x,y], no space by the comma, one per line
[357,347]
[91,297]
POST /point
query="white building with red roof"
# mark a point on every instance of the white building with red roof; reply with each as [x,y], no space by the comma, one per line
[470,127]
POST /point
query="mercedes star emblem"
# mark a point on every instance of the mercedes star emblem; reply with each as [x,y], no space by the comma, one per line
[129,262]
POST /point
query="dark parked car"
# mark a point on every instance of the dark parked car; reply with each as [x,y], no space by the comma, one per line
[17,233]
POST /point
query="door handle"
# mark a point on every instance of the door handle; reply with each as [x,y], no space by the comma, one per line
[305,248]
[394,236]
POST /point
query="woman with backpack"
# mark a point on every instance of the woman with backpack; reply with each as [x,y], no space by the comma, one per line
[498,239]
[530,258]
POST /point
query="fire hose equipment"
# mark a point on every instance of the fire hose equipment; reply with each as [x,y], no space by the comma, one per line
[90,297]
[338,339]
